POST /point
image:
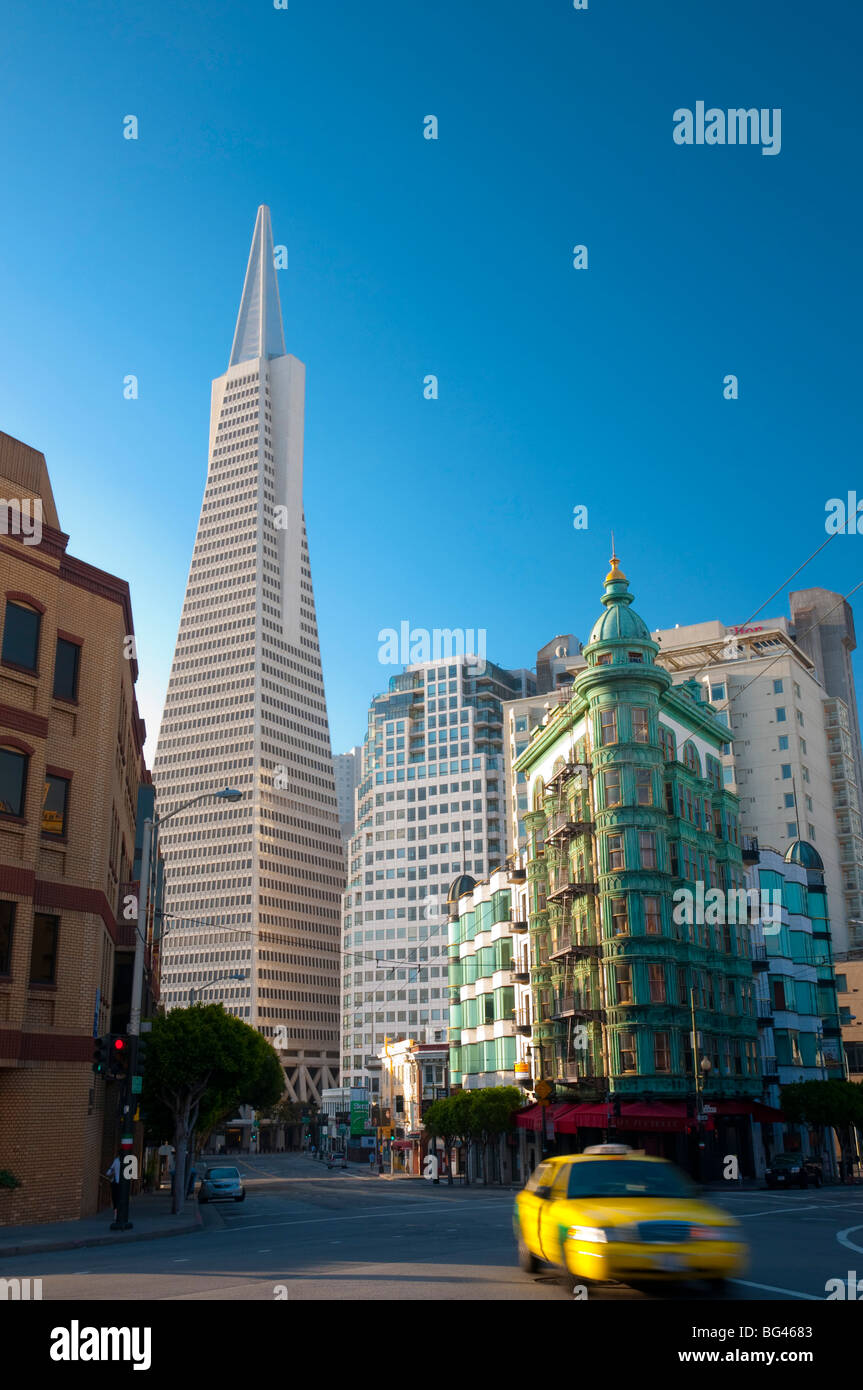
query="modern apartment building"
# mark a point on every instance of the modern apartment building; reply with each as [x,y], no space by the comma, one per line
[71,767]
[430,806]
[628,806]
[489,982]
[254,889]
[795,993]
[795,985]
[790,753]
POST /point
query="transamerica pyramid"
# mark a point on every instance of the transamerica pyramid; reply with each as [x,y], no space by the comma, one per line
[253,889]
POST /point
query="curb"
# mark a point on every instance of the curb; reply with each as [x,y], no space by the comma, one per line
[43,1247]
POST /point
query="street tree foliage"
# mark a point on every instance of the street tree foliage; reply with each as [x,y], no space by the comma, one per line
[832,1104]
[479,1116]
[202,1063]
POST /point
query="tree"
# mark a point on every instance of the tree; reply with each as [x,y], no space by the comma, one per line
[836,1105]
[466,1121]
[202,1063]
[440,1122]
[494,1115]
[479,1116]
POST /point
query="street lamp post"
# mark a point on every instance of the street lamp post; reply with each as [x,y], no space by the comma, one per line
[149,841]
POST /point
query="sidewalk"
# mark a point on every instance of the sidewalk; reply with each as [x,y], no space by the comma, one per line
[366,1170]
[150,1215]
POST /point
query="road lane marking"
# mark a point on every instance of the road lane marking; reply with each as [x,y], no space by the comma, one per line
[771,1288]
[843,1239]
[313,1221]
[776,1211]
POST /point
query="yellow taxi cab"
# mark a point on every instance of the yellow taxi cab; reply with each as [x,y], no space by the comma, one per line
[615,1213]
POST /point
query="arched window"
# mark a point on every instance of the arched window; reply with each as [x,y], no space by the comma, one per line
[538,794]
[691,758]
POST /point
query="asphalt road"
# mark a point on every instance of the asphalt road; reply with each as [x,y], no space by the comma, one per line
[304,1233]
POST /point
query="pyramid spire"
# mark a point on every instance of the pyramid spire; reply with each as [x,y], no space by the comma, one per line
[259,330]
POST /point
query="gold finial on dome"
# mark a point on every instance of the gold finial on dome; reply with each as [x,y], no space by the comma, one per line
[615,574]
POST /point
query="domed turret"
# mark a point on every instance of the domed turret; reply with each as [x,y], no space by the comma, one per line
[463,884]
[806,855]
[619,625]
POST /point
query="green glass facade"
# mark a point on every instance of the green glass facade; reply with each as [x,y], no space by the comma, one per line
[481,985]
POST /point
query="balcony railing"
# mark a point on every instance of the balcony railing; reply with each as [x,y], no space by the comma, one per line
[566,884]
[569,1005]
[569,822]
[760,959]
[566,944]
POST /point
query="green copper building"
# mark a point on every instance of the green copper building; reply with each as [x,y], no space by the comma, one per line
[627,805]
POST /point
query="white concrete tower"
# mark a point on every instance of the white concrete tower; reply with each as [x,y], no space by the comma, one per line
[254,888]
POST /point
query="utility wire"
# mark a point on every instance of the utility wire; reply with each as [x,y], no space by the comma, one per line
[782,586]
[760,673]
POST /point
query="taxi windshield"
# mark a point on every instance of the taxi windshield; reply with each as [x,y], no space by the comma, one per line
[627,1178]
[222,1173]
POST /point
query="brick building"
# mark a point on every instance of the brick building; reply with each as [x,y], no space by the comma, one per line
[71,765]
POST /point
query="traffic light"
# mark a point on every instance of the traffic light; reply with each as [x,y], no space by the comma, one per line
[100,1056]
[118,1055]
[141,1053]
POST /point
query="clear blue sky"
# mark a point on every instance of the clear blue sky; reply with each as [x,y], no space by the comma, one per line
[453,257]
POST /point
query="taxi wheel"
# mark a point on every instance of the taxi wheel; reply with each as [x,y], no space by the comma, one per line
[526,1261]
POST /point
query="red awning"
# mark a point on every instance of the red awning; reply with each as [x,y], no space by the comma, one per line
[531,1117]
[657,1114]
[765,1114]
[564,1123]
[585,1116]
[667,1115]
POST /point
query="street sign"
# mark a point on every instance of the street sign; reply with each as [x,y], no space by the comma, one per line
[709,1109]
[137,1082]
[542,1089]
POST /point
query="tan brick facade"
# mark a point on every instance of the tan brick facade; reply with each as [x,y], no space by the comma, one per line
[849,996]
[57,1120]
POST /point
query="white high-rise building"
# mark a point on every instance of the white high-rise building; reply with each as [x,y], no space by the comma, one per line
[790,754]
[348,768]
[254,889]
[430,809]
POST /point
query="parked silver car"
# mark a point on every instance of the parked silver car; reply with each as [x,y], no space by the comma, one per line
[221,1185]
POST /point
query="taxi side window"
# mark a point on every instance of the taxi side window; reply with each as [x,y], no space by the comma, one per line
[539,1177]
[561,1182]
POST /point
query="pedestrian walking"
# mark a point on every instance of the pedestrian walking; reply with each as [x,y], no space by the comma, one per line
[113,1175]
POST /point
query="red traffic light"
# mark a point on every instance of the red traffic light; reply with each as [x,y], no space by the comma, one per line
[119,1044]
